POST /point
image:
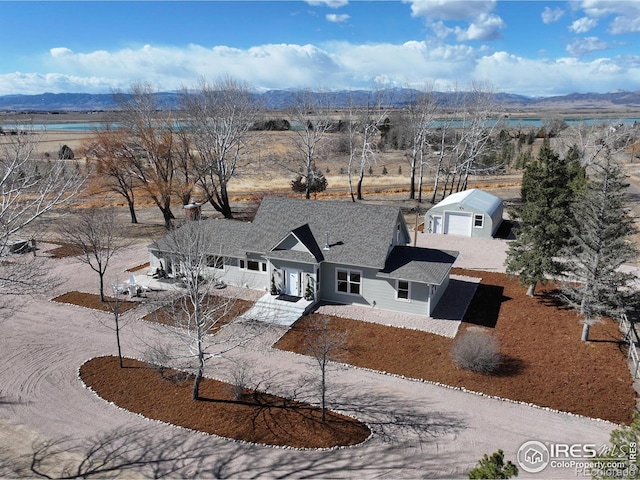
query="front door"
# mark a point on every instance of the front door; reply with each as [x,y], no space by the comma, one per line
[292,282]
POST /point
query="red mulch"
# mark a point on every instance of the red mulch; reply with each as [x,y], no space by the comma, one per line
[63,250]
[91,300]
[256,417]
[137,268]
[546,363]
[234,309]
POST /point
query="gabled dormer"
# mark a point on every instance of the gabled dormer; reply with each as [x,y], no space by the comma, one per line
[297,243]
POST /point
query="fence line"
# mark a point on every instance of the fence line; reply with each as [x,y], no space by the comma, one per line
[631,337]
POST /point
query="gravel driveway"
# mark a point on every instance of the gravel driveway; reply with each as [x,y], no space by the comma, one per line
[421,430]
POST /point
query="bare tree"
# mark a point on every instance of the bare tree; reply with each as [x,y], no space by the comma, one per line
[325,344]
[477,121]
[149,141]
[117,164]
[97,234]
[30,187]
[219,116]
[311,114]
[420,116]
[363,127]
[203,322]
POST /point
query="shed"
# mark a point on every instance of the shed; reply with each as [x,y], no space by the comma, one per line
[471,213]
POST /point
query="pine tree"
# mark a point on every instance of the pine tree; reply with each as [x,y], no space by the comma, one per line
[494,467]
[599,244]
[549,187]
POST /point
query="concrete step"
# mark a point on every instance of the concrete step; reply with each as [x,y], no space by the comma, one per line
[279,312]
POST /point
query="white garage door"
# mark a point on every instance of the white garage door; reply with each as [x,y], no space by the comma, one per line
[456,223]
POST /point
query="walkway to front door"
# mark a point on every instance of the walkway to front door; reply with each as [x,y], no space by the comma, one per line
[270,309]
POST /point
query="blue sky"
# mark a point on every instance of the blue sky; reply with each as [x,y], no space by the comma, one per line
[535,48]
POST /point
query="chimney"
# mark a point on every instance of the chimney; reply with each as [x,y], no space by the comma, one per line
[326,242]
[192,211]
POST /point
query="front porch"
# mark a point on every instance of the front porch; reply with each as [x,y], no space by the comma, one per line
[279,309]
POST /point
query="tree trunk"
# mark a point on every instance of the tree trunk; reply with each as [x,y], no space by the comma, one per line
[101,275]
[132,211]
[323,387]
[195,392]
[412,184]
[359,186]
[116,313]
[531,291]
[585,331]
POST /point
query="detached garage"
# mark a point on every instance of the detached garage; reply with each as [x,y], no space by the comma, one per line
[471,213]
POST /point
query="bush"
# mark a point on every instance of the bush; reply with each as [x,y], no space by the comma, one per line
[478,351]
[494,467]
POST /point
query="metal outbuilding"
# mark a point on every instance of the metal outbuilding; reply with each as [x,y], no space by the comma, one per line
[471,213]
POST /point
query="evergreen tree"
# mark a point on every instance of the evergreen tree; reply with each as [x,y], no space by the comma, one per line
[494,467]
[549,187]
[599,244]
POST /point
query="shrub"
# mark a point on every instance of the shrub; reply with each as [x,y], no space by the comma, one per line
[478,351]
[494,467]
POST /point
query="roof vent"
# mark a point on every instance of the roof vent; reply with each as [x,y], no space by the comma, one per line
[326,242]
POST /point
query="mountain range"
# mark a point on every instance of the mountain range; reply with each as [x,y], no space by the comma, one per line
[280,99]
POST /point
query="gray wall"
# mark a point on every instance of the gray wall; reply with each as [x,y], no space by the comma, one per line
[373,289]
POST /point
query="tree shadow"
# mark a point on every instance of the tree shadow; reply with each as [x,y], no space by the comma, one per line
[484,309]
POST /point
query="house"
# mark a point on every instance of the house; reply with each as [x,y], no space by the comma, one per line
[472,213]
[340,252]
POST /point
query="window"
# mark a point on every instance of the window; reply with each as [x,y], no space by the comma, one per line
[348,281]
[402,290]
[253,265]
[478,221]
[215,262]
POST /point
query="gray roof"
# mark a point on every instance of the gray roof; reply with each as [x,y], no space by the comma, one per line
[221,236]
[424,265]
[359,234]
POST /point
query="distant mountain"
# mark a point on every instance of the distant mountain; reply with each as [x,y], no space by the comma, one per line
[281,99]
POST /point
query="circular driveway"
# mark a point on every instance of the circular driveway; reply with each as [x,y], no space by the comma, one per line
[420,429]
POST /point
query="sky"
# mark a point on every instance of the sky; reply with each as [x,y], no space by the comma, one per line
[533,48]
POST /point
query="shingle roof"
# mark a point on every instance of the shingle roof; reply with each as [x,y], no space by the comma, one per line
[359,234]
[424,265]
[223,237]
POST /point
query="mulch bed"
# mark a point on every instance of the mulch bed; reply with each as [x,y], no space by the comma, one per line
[91,300]
[545,362]
[234,308]
[255,417]
[138,267]
[63,250]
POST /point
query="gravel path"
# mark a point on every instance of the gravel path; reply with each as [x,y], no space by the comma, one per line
[420,430]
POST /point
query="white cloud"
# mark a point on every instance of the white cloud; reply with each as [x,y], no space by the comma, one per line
[583,25]
[60,51]
[328,3]
[582,46]
[626,14]
[551,15]
[621,25]
[450,9]
[335,65]
[335,18]
[485,27]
